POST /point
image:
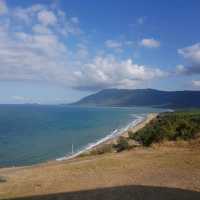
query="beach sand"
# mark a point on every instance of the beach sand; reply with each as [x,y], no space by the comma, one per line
[112,140]
[142,124]
[134,128]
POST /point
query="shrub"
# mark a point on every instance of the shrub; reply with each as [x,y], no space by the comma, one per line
[2,179]
[130,134]
[122,144]
[105,148]
[184,131]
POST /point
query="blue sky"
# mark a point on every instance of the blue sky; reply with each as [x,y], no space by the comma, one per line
[59,51]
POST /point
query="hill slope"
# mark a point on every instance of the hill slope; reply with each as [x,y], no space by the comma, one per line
[145,174]
[143,97]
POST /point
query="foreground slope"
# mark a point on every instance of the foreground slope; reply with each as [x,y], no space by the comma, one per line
[167,172]
[142,97]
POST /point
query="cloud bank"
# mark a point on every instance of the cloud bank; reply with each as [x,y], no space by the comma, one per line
[36,45]
[107,71]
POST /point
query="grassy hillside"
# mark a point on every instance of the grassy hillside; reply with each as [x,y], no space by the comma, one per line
[181,125]
[142,174]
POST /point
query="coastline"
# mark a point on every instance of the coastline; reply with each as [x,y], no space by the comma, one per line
[169,165]
[134,126]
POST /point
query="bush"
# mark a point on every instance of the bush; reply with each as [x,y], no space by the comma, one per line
[2,179]
[146,136]
[105,148]
[184,131]
[130,134]
[122,144]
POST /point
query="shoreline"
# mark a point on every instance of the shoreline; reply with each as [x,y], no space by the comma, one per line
[170,165]
[134,126]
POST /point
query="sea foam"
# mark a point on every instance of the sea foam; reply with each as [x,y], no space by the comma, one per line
[113,134]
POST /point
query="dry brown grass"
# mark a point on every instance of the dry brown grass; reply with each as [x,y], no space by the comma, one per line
[163,166]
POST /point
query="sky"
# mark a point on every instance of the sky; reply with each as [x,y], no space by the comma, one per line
[58,51]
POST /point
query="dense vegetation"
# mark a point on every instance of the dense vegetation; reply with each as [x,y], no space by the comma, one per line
[169,126]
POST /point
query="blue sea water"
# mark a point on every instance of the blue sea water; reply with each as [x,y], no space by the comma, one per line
[32,134]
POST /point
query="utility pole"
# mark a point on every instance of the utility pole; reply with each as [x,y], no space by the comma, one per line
[72,149]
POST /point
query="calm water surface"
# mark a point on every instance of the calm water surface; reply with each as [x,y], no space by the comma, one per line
[35,133]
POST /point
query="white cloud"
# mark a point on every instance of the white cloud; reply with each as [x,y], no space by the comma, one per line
[118,45]
[38,28]
[196,83]
[109,72]
[192,56]
[20,98]
[82,51]
[192,53]
[113,44]
[47,17]
[34,46]
[33,51]
[180,69]
[26,14]
[25,99]
[150,43]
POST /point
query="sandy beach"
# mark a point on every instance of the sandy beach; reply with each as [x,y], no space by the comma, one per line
[134,127]
[141,124]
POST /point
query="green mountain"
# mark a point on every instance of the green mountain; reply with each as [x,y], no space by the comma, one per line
[143,97]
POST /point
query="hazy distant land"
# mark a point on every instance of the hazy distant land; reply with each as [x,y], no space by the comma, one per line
[143,97]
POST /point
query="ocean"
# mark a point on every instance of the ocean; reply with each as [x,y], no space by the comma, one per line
[31,134]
